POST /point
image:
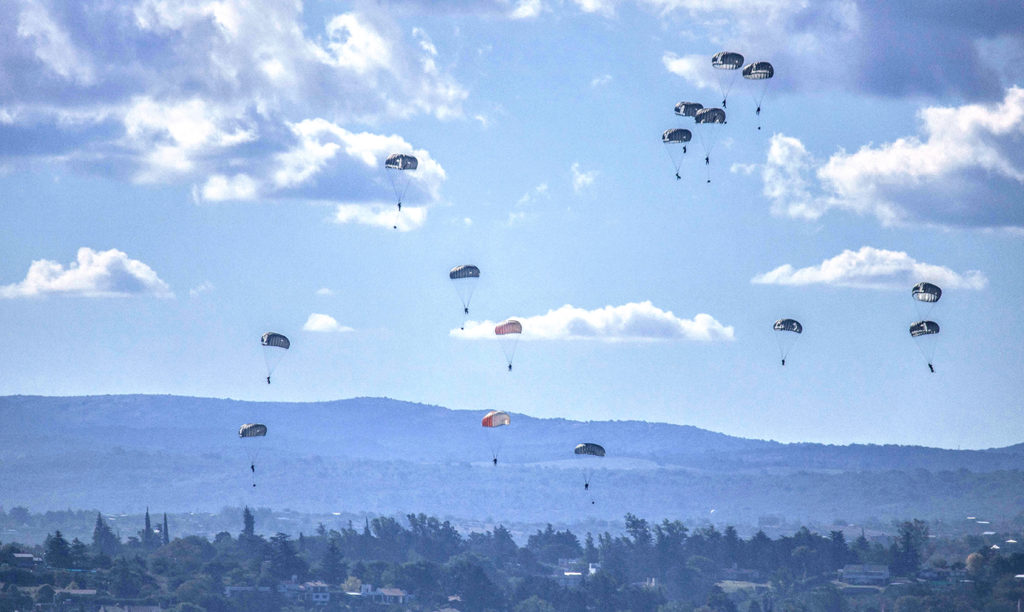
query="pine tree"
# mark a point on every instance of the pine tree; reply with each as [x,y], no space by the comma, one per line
[164,533]
[104,542]
[334,570]
[57,551]
[147,535]
[249,521]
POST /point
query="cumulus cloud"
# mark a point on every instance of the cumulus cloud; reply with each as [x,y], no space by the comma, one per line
[325,291]
[601,81]
[207,91]
[694,68]
[324,323]
[605,8]
[874,269]
[582,179]
[633,322]
[526,9]
[381,215]
[965,169]
[94,274]
[868,46]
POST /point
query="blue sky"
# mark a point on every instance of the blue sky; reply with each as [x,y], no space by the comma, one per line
[180,177]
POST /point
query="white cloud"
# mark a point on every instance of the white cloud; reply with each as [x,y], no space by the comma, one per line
[239,187]
[601,81]
[201,288]
[94,274]
[581,179]
[381,215]
[874,269]
[605,8]
[324,291]
[53,45]
[965,169]
[694,68]
[636,321]
[526,9]
[537,193]
[324,323]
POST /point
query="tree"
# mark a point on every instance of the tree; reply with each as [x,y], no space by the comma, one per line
[909,547]
[284,561]
[104,542]
[79,554]
[57,551]
[165,535]
[332,568]
[249,523]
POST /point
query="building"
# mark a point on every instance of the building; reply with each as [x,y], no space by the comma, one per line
[316,593]
[865,574]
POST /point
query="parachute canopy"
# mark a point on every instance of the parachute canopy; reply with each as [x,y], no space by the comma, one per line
[676,135]
[589,448]
[401,161]
[464,272]
[275,339]
[923,328]
[926,292]
[495,418]
[508,327]
[252,430]
[688,109]
[710,115]
[727,60]
[757,71]
[791,325]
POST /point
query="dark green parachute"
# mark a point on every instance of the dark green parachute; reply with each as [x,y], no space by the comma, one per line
[589,448]
[688,109]
[923,328]
[710,115]
[464,272]
[275,339]
[398,167]
[788,325]
[676,135]
[707,120]
[252,430]
[756,71]
[401,161]
[926,292]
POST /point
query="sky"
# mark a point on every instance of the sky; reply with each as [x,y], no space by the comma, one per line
[179,177]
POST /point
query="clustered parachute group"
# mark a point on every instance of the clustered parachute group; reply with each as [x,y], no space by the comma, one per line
[706,123]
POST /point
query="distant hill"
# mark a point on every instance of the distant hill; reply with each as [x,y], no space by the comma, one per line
[384,455]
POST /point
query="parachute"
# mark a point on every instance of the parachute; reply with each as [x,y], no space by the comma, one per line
[925,335]
[398,166]
[274,347]
[926,295]
[673,139]
[688,109]
[759,71]
[464,278]
[726,60]
[706,120]
[252,448]
[491,421]
[926,292]
[509,332]
[585,451]
[788,330]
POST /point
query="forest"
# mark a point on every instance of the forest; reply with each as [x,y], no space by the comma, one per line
[420,562]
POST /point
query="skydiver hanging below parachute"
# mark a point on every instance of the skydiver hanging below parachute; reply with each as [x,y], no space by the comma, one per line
[398,167]
[464,279]
[274,347]
[925,335]
[254,432]
[787,331]
[584,451]
[759,71]
[491,422]
[508,333]
[726,61]
[672,139]
[707,120]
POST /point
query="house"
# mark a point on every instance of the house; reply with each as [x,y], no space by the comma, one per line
[387,596]
[26,560]
[569,579]
[865,574]
[316,593]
